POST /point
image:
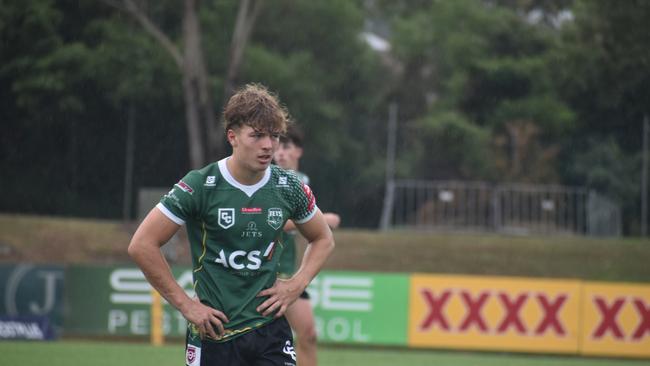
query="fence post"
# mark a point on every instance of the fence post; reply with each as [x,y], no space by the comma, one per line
[496,208]
[387,211]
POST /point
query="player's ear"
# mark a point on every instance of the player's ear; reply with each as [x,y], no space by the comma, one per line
[232,137]
[298,152]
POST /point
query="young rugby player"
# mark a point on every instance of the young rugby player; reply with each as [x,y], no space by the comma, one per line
[235,210]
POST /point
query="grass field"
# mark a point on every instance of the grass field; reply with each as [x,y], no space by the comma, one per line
[69,353]
[63,240]
[38,239]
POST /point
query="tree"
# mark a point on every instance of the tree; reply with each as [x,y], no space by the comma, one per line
[333,85]
[488,65]
[602,70]
[200,113]
[72,70]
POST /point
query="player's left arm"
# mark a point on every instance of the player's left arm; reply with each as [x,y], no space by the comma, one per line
[285,292]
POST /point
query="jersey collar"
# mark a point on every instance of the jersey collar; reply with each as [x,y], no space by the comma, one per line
[249,190]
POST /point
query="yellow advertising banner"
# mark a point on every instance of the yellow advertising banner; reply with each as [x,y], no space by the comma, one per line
[616,319]
[494,313]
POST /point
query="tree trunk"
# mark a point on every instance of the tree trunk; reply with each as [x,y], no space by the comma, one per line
[246,17]
[197,86]
[205,137]
[191,86]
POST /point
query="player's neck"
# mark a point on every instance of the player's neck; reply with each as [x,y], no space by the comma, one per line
[243,174]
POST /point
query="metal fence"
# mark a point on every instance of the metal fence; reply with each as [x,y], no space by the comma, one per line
[508,208]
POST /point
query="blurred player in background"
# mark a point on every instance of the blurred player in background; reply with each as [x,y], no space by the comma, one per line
[235,210]
[300,313]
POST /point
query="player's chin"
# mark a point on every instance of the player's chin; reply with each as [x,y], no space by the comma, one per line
[260,167]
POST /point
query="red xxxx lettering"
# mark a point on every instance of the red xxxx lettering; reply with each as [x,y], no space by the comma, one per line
[608,319]
[512,309]
[551,310]
[436,306]
[474,311]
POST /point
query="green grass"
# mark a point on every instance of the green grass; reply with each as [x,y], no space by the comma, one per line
[68,240]
[45,239]
[624,259]
[75,353]
[58,240]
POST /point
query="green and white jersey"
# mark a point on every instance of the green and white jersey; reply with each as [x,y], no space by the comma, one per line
[235,234]
[288,263]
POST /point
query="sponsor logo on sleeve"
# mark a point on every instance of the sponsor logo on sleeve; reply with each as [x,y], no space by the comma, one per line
[226,217]
[184,187]
[274,217]
[283,181]
[173,198]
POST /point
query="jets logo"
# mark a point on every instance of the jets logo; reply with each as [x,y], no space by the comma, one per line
[274,218]
[226,217]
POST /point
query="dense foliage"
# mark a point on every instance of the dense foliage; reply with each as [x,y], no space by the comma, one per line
[523,91]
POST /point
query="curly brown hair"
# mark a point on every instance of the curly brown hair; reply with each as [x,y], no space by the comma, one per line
[255,106]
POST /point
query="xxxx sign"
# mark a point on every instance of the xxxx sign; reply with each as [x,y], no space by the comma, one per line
[616,319]
[494,313]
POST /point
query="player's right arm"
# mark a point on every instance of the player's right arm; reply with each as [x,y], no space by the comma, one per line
[154,231]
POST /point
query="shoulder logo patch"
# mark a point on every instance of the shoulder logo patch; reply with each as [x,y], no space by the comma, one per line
[185,187]
[274,217]
[283,181]
[226,217]
[210,181]
[311,200]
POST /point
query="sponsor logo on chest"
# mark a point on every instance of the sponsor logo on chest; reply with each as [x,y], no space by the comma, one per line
[251,231]
[251,210]
[226,219]
[241,259]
